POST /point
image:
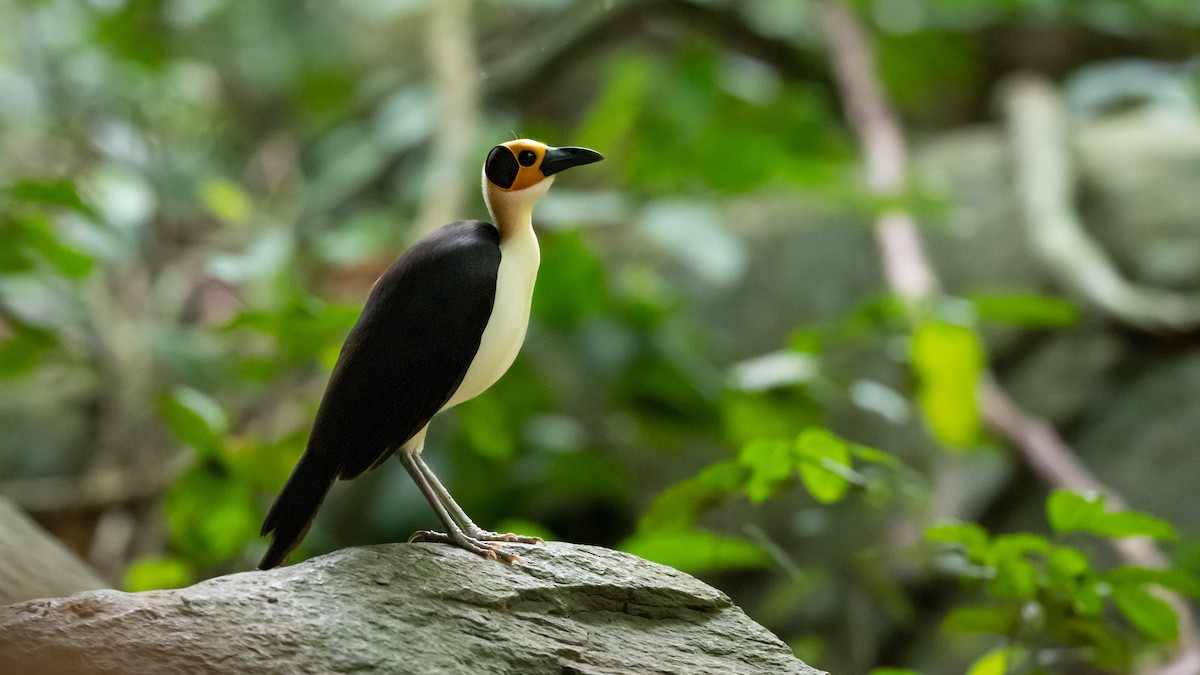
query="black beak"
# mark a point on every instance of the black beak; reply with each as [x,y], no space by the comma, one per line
[557,159]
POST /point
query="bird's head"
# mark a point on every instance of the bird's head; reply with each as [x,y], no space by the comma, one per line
[516,174]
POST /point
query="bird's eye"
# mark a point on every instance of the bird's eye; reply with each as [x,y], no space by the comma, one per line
[527,157]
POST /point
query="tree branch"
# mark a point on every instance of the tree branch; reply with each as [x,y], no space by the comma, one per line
[1045,185]
[905,265]
[454,66]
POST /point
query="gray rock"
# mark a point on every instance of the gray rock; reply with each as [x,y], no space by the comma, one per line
[1066,374]
[33,564]
[401,608]
[1141,439]
[1139,173]
[976,242]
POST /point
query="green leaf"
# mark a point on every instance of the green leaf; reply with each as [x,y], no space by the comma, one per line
[210,515]
[486,424]
[14,258]
[749,416]
[948,361]
[874,456]
[54,192]
[628,83]
[22,350]
[225,200]
[1016,574]
[1086,599]
[770,463]
[1150,615]
[38,235]
[695,551]
[1026,310]
[306,328]
[1176,580]
[26,239]
[994,620]
[150,574]
[195,419]
[69,261]
[824,464]
[265,465]
[970,535]
[1021,543]
[1016,577]
[1110,648]
[1068,563]
[676,507]
[1131,524]
[996,662]
[572,285]
[1071,512]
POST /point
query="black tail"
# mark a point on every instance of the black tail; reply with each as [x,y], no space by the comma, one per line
[294,508]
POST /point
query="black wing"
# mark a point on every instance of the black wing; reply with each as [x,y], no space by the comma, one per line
[402,361]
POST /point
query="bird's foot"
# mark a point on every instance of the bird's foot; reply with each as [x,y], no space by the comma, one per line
[488,535]
[480,547]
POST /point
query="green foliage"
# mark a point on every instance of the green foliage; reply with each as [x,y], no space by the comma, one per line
[1149,614]
[575,286]
[195,419]
[696,551]
[304,329]
[821,459]
[210,516]
[148,574]
[948,361]
[997,662]
[54,192]
[31,246]
[677,507]
[1025,310]
[770,462]
[1035,587]
[28,240]
[824,464]
[212,510]
[23,348]
[226,201]
[1071,512]
[485,426]
[687,108]
[763,468]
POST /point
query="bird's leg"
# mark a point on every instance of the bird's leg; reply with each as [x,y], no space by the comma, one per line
[454,533]
[464,521]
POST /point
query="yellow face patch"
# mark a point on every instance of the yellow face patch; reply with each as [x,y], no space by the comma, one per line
[515,165]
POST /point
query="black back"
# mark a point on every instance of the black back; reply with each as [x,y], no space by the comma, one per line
[404,358]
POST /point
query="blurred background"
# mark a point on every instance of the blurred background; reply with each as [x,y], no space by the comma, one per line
[196,195]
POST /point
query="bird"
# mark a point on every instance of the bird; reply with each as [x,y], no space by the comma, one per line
[439,327]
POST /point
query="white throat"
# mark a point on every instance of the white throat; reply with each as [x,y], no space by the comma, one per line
[519,260]
[512,212]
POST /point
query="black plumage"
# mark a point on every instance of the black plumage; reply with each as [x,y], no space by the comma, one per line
[403,360]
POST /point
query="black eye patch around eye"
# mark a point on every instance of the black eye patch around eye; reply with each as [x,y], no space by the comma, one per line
[501,167]
[527,157]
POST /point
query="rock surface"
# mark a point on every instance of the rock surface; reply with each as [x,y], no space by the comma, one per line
[405,608]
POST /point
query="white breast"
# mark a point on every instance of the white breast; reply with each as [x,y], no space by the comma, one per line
[519,259]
